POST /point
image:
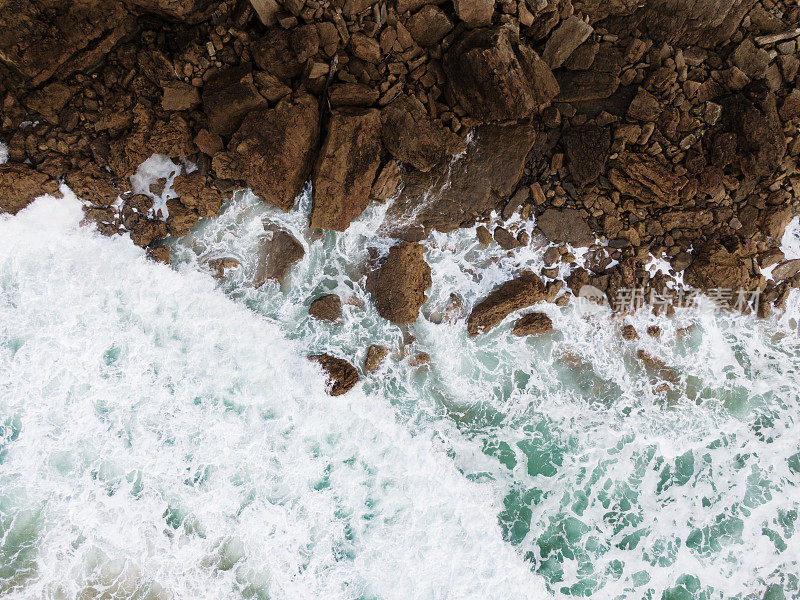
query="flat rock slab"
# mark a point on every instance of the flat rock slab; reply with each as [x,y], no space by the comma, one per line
[567,226]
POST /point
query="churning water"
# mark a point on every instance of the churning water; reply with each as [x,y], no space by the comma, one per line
[162,435]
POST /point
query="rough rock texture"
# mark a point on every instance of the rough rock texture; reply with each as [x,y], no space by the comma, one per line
[566,225]
[275,149]
[523,291]
[326,308]
[475,13]
[341,375]
[400,283]
[228,97]
[20,185]
[346,168]
[278,251]
[450,196]
[375,356]
[411,136]
[495,79]
[587,148]
[533,324]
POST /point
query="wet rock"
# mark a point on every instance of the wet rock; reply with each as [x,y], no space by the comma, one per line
[570,34]
[429,25]
[565,226]
[786,269]
[104,218]
[181,218]
[400,283]
[533,324]
[456,194]
[629,333]
[20,185]
[523,291]
[504,239]
[341,375]
[475,13]
[326,308]
[485,238]
[274,149]
[93,185]
[220,266]
[375,357]
[419,360]
[588,148]
[653,331]
[278,251]
[159,254]
[714,266]
[412,137]
[346,168]
[657,367]
[495,79]
[387,181]
[195,194]
[146,231]
[228,97]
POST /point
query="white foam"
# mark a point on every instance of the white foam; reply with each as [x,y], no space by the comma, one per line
[149,172]
[158,440]
[3,153]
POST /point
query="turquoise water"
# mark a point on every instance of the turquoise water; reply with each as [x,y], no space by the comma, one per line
[162,436]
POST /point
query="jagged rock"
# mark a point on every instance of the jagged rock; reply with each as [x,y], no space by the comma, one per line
[185,10]
[228,97]
[266,10]
[180,96]
[645,107]
[504,239]
[533,324]
[786,269]
[647,179]
[341,375]
[495,79]
[278,251]
[629,332]
[326,308]
[274,149]
[181,218]
[429,25]
[365,48]
[159,254]
[275,53]
[346,168]
[194,193]
[20,185]
[455,194]
[776,220]
[475,13]
[352,94]
[523,291]
[412,137]
[146,231]
[565,226]
[715,267]
[351,8]
[588,148]
[400,283]
[582,86]
[375,356]
[219,266]
[570,34]
[387,181]
[93,185]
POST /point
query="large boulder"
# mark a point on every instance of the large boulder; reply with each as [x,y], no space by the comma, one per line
[523,291]
[588,148]
[184,10]
[411,136]
[647,179]
[346,167]
[228,97]
[274,149]
[20,185]
[495,79]
[567,225]
[399,284]
[715,267]
[455,194]
[341,376]
[278,251]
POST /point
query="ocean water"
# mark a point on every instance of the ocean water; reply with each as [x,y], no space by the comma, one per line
[162,435]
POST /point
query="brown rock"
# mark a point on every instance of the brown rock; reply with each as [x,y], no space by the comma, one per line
[645,107]
[629,332]
[400,283]
[582,86]
[565,226]
[275,149]
[220,265]
[180,96]
[495,79]
[387,181]
[714,266]
[341,375]
[196,195]
[776,221]
[346,168]
[412,137]
[570,34]
[181,218]
[326,308]
[93,185]
[352,94]
[485,238]
[185,10]
[146,231]
[475,13]
[20,185]
[523,291]
[786,269]
[275,53]
[278,251]
[375,356]
[208,143]
[533,324]
[365,48]
[351,8]
[429,25]
[647,179]
[653,331]
[266,10]
[504,239]
[588,148]
[657,366]
[228,97]
[159,254]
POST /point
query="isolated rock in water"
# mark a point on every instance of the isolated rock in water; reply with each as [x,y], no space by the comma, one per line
[494,79]
[346,168]
[278,251]
[565,226]
[275,149]
[412,137]
[533,324]
[228,97]
[587,148]
[341,375]
[629,332]
[400,283]
[20,185]
[326,308]
[523,291]
[375,357]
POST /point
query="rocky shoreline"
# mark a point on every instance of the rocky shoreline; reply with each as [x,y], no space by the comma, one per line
[668,130]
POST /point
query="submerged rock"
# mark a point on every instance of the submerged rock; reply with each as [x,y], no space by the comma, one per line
[326,308]
[523,291]
[533,324]
[341,375]
[375,356]
[278,251]
[400,283]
